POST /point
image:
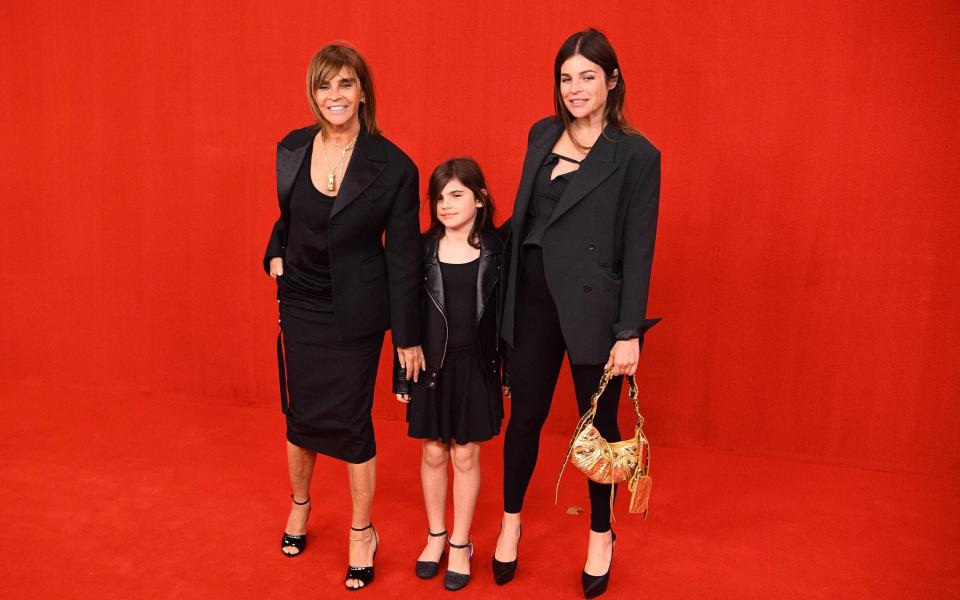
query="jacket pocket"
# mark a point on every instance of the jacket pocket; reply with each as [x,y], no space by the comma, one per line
[375,192]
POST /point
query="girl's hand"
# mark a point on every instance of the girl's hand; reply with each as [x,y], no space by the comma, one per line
[624,357]
[276,267]
[405,398]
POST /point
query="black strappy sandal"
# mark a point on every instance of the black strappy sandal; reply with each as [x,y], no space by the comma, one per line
[454,581]
[363,574]
[427,569]
[295,541]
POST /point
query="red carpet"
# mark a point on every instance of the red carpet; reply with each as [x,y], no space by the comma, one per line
[131,496]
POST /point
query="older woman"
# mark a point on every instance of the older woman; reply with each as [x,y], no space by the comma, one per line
[343,189]
[581,248]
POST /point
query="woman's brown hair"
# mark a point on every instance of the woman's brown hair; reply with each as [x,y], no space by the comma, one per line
[326,63]
[595,47]
[466,171]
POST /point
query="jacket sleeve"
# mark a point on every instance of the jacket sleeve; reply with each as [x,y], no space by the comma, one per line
[403,254]
[401,385]
[639,233]
[276,245]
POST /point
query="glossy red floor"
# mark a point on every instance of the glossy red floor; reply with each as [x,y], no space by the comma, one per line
[133,496]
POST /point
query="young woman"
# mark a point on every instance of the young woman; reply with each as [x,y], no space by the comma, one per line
[341,186]
[580,248]
[457,402]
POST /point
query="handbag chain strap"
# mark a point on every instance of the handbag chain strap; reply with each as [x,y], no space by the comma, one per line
[587,420]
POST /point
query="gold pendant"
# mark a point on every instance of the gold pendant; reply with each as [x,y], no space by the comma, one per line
[330,182]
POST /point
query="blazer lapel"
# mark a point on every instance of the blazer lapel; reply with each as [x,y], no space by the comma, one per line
[599,164]
[368,161]
[289,161]
[531,164]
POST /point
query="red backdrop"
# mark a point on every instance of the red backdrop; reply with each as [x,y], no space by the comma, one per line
[806,263]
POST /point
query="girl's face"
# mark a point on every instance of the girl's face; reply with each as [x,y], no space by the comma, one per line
[339,98]
[584,87]
[457,205]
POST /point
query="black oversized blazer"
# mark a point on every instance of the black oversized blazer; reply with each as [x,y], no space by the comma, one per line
[376,285]
[434,313]
[599,294]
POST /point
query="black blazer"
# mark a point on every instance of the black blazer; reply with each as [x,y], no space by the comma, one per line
[434,314]
[375,286]
[598,246]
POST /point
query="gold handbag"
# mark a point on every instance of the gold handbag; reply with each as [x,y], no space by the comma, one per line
[619,462]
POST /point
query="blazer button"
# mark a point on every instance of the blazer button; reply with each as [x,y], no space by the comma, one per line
[591,247]
[433,374]
[587,288]
[431,385]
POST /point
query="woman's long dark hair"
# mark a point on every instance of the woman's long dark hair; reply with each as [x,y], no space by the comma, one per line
[466,171]
[595,47]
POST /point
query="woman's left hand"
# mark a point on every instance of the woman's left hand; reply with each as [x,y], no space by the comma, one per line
[624,357]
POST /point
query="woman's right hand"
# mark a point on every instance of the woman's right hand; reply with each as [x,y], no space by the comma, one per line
[276,267]
[405,398]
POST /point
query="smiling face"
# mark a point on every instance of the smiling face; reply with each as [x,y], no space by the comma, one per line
[584,87]
[457,205]
[339,98]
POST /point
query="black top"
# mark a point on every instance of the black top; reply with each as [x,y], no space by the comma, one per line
[460,299]
[546,196]
[306,267]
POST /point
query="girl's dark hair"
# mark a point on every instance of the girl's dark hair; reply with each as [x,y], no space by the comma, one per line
[595,47]
[466,171]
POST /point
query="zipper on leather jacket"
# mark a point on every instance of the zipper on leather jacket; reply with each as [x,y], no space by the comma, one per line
[446,329]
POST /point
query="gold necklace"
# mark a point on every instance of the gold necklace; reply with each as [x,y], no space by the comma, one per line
[332,173]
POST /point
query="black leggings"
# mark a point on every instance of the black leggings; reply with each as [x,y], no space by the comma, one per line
[534,365]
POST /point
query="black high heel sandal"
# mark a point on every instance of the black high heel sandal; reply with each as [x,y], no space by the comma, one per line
[594,585]
[503,572]
[295,541]
[363,574]
[454,581]
[427,569]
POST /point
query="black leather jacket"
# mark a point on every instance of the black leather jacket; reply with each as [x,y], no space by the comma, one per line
[434,320]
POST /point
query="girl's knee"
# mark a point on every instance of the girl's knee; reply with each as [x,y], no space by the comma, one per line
[466,457]
[435,454]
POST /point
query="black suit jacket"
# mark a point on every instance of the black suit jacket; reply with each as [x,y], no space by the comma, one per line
[434,311]
[598,246]
[376,286]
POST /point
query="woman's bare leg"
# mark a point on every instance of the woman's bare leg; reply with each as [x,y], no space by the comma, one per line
[300,463]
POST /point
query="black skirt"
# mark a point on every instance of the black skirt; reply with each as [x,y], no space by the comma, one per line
[329,383]
[466,406]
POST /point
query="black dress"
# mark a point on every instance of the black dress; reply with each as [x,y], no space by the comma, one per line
[329,382]
[464,406]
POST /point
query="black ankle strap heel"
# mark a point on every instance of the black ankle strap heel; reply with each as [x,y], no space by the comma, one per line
[454,581]
[295,541]
[428,569]
[363,574]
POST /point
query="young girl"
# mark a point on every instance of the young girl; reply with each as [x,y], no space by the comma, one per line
[457,402]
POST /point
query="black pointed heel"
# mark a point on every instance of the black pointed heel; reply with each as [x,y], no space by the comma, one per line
[295,541]
[503,572]
[454,581]
[363,574]
[594,585]
[427,569]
